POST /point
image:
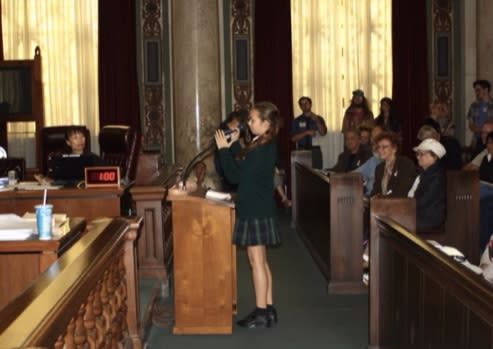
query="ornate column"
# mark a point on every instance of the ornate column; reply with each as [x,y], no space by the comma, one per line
[485,39]
[196,80]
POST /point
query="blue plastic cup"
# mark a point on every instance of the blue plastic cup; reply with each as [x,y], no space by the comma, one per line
[44,219]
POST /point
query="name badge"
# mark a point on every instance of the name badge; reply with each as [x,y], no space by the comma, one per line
[303,124]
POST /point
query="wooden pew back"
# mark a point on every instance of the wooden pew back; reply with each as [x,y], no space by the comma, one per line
[462,222]
[419,297]
[88,297]
[330,222]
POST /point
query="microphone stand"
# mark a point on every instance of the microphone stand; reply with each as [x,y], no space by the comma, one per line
[193,162]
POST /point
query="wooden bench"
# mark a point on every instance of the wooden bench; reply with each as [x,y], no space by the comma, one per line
[89,297]
[420,297]
[329,219]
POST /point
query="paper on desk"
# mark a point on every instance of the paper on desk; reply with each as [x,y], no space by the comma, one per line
[15,234]
[13,227]
[36,186]
[59,218]
[217,195]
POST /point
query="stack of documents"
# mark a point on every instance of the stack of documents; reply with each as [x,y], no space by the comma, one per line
[13,227]
[457,255]
[217,195]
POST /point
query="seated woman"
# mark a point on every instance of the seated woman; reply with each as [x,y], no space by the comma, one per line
[367,170]
[75,140]
[486,262]
[395,175]
[486,193]
[429,187]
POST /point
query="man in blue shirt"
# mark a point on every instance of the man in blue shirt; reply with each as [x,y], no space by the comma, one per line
[480,111]
[305,127]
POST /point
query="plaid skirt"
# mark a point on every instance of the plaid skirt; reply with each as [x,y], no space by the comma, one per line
[256,231]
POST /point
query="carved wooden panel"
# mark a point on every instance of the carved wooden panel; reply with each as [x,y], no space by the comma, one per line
[101,320]
[242,55]
[152,32]
[442,51]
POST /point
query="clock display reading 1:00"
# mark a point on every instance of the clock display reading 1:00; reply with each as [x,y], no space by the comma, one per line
[102,176]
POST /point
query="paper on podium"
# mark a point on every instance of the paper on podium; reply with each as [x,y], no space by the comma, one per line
[217,195]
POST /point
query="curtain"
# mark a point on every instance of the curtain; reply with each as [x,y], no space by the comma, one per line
[1,37]
[67,34]
[272,67]
[410,56]
[118,82]
[337,47]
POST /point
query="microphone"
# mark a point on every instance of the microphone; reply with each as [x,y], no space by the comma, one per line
[228,132]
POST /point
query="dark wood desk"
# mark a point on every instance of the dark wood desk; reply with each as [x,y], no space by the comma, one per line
[21,262]
[87,203]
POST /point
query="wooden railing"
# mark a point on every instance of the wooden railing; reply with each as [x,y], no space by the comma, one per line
[88,298]
[330,222]
[420,297]
[155,244]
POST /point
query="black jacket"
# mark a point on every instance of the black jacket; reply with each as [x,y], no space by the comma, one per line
[403,176]
[347,162]
[430,198]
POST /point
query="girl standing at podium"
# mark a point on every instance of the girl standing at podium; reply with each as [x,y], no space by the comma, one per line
[256,225]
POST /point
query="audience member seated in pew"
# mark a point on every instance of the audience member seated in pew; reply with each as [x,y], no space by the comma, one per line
[395,175]
[365,136]
[354,154]
[486,193]
[367,170]
[429,187]
[486,262]
[476,161]
[452,160]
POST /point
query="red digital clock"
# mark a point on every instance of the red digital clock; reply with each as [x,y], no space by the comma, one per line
[105,176]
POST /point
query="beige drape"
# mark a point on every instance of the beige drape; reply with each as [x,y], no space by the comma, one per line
[339,46]
[67,33]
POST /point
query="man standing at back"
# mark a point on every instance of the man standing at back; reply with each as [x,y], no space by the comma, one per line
[480,111]
[305,127]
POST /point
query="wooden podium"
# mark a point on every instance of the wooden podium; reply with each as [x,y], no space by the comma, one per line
[204,265]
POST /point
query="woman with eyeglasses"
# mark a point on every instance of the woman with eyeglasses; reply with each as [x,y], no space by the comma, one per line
[429,187]
[396,173]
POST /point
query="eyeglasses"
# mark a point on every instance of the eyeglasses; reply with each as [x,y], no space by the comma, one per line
[421,153]
[383,146]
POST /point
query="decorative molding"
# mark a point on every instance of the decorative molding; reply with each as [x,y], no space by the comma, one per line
[442,52]
[242,55]
[152,31]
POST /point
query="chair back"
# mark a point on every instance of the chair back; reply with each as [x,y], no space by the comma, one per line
[120,146]
[16,164]
[53,142]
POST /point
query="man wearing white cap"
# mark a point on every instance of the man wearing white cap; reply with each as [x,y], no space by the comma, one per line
[429,187]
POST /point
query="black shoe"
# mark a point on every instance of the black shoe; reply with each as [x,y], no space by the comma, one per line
[272,315]
[255,320]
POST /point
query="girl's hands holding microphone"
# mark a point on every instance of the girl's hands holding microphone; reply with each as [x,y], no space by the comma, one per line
[222,141]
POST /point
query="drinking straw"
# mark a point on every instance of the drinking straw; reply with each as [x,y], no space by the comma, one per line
[44,197]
